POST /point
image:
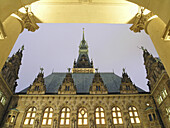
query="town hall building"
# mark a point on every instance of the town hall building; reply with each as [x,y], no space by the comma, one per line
[83,97]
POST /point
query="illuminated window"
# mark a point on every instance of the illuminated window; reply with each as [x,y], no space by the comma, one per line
[3,100]
[117,116]
[65,116]
[47,117]
[82,116]
[164,93]
[30,116]
[160,99]
[99,115]
[168,112]
[0,95]
[133,113]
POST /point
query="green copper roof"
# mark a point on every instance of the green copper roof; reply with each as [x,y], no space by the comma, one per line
[83,82]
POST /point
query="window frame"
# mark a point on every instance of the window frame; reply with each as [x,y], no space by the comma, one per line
[132,110]
[100,118]
[30,117]
[117,117]
[47,118]
[65,116]
[83,118]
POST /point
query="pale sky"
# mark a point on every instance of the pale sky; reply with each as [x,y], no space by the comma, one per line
[55,46]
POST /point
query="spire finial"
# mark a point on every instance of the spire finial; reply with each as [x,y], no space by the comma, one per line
[22,48]
[124,70]
[83,33]
[41,69]
[69,69]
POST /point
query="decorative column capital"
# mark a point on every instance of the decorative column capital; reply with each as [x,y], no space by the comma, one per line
[140,21]
[28,18]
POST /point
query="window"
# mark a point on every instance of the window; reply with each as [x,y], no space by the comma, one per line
[36,88]
[133,113]
[164,93]
[151,117]
[47,117]
[168,112]
[160,99]
[127,87]
[0,94]
[67,88]
[116,115]
[82,116]
[65,116]
[3,100]
[99,115]
[30,116]
[97,88]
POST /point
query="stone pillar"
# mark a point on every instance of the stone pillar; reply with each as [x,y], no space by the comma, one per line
[155,28]
[12,27]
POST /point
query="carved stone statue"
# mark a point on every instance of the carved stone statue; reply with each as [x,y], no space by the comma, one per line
[92,124]
[110,124]
[74,123]
[36,123]
[55,123]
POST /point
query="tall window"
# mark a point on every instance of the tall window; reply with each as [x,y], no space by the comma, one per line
[82,116]
[67,88]
[168,112]
[133,113]
[30,116]
[47,117]
[65,116]
[164,93]
[2,98]
[151,117]
[117,116]
[160,99]
[98,88]
[99,114]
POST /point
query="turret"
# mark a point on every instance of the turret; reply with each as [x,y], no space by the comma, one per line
[11,68]
[154,68]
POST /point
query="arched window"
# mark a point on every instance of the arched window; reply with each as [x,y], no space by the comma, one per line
[133,113]
[99,115]
[47,117]
[30,116]
[82,116]
[65,116]
[117,116]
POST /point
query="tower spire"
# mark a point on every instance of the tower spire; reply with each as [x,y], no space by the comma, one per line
[83,34]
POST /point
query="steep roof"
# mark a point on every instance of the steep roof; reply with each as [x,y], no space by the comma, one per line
[83,82]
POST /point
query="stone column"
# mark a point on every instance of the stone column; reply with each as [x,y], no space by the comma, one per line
[12,27]
[155,28]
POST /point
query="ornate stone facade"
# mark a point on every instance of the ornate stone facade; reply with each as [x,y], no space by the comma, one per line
[88,100]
